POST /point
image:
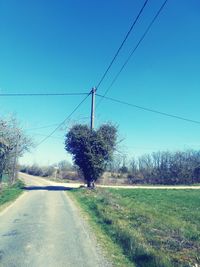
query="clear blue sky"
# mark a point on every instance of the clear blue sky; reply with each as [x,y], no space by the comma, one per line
[65,46]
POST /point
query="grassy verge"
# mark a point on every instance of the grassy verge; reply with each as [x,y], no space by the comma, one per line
[10,193]
[112,251]
[151,227]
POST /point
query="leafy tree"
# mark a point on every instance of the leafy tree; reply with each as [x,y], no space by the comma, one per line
[91,150]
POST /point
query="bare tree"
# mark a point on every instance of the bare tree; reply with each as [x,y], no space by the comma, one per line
[164,167]
[13,143]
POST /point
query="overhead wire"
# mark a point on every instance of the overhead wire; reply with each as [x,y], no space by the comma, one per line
[55,137]
[101,80]
[133,51]
[42,94]
[42,127]
[122,44]
[50,125]
[67,118]
[149,109]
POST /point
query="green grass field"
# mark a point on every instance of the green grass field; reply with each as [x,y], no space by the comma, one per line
[10,193]
[151,227]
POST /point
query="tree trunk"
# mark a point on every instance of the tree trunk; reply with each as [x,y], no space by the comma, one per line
[90,184]
[1,176]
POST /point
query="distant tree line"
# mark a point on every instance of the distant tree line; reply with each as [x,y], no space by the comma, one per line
[169,168]
[62,170]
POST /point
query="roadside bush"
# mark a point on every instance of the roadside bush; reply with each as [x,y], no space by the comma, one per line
[123,169]
[135,180]
[64,171]
[38,171]
[47,171]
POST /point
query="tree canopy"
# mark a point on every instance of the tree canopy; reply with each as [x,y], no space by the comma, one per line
[91,150]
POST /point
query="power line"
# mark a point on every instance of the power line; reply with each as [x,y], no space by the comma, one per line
[68,117]
[50,125]
[149,109]
[42,127]
[55,137]
[135,48]
[43,94]
[122,44]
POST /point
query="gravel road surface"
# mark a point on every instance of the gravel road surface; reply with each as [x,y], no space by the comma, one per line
[43,228]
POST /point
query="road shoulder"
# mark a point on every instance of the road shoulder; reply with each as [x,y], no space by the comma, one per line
[9,195]
[110,251]
[87,227]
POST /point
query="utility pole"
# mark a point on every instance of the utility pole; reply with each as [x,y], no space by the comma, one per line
[92,108]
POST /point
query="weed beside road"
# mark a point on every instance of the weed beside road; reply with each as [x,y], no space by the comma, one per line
[10,193]
[152,227]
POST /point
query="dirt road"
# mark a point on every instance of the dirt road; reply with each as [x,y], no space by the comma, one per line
[43,228]
[77,185]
